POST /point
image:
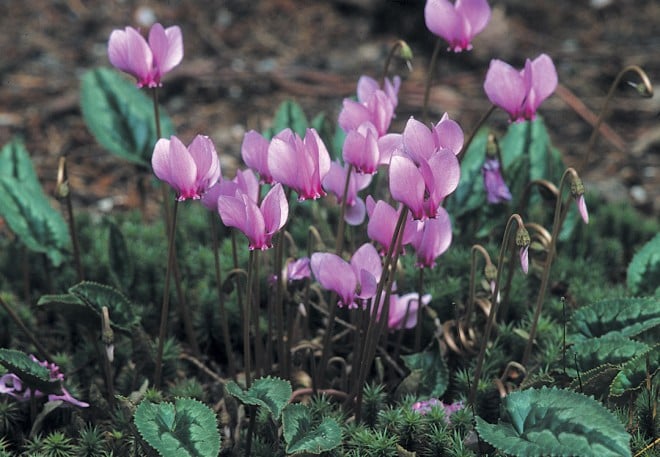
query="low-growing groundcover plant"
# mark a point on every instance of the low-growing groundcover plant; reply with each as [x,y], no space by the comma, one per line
[355,291]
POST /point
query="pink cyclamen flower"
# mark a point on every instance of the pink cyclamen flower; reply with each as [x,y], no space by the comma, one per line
[457,23]
[191,170]
[258,223]
[245,181]
[424,407]
[254,151]
[382,223]
[354,281]
[404,309]
[432,239]
[300,164]
[520,93]
[374,105]
[524,258]
[298,269]
[12,385]
[335,181]
[496,189]
[361,148]
[148,62]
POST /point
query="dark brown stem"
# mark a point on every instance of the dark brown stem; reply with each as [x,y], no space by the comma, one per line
[19,322]
[474,131]
[418,327]
[221,298]
[165,307]
[64,191]
[429,80]
[477,248]
[560,210]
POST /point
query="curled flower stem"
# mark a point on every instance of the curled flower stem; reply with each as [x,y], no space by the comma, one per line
[561,210]
[429,80]
[221,297]
[506,241]
[646,91]
[165,307]
[477,248]
[399,45]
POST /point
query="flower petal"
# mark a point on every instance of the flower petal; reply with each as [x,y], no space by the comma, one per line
[407,185]
[334,273]
[167,47]
[504,87]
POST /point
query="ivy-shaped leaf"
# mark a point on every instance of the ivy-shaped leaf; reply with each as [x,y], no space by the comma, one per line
[624,316]
[187,428]
[633,374]
[35,376]
[429,375]
[595,382]
[303,436]
[25,207]
[85,302]
[555,422]
[611,349]
[270,393]
[121,116]
[644,269]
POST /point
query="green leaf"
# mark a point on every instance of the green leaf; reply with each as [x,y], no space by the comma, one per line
[633,374]
[428,376]
[470,194]
[555,422]
[270,393]
[25,207]
[611,349]
[121,263]
[35,376]
[289,115]
[187,428]
[121,116]
[644,269]
[85,301]
[624,316]
[302,436]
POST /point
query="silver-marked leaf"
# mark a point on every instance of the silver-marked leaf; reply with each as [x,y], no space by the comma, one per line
[270,393]
[633,374]
[303,436]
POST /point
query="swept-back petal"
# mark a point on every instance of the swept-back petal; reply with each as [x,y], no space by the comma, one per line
[433,239]
[129,51]
[352,115]
[543,80]
[476,13]
[355,213]
[173,164]
[367,258]
[254,151]
[418,141]
[275,209]
[447,134]
[206,160]
[366,87]
[442,19]
[335,274]
[505,87]
[407,185]
[167,47]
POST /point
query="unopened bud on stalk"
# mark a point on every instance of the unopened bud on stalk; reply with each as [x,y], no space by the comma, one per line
[523,241]
[577,191]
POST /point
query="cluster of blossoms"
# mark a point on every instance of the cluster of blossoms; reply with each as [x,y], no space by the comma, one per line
[423,162]
[12,384]
[424,407]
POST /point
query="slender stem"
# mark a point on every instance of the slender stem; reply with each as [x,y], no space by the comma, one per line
[545,278]
[154,97]
[259,350]
[221,298]
[247,317]
[64,192]
[477,248]
[165,307]
[341,224]
[400,44]
[506,241]
[474,131]
[648,92]
[280,333]
[18,321]
[418,327]
[375,326]
[429,80]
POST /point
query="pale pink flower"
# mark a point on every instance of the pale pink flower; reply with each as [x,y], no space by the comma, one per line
[382,223]
[300,164]
[404,309]
[191,170]
[496,189]
[148,62]
[432,239]
[258,223]
[245,181]
[457,23]
[254,151]
[354,281]
[374,105]
[520,93]
[335,181]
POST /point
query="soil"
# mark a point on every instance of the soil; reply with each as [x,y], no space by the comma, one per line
[243,58]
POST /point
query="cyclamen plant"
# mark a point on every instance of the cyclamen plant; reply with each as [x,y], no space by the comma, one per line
[387,307]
